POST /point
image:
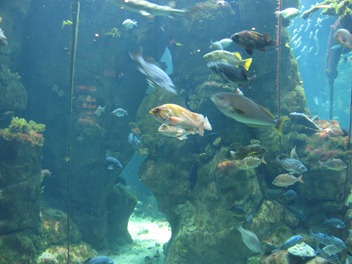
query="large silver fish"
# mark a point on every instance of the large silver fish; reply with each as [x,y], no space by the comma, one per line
[146,8]
[156,77]
[3,39]
[246,111]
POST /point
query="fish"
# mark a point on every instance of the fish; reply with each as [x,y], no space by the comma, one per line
[156,77]
[344,38]
[3,39]
[333,164]
[335,222]
[99,110]
[221,44]
[288,13]
[146,8]
[244,110]
[173,131]
[99,260]
[332,249]
[175,115]
[285,180]
[119,112]
[249,162]
[233,58]
[129,23]
[289,195]
[250,240]
[114,162]
[289,242]
[230,73]
[252,40]
[291,165]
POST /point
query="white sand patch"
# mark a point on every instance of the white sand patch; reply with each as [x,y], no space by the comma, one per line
[148,239]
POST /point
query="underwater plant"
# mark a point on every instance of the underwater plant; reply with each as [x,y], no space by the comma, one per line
[23,131]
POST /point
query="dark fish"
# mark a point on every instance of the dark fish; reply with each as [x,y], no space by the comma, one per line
[335,222]
[246,111]
[99,260]
[251,40]
[289,195]
[297,212]
[113,162]
[291,165]
[230,73]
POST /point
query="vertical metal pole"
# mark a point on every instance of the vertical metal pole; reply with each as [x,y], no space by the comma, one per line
[75,7]
[278,65]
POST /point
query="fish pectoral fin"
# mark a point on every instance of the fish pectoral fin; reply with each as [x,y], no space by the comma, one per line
[237,111]
[174,120]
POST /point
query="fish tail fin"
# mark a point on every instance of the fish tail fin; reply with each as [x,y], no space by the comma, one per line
[299,179]
[279,124]
[206,124]
[247,63]
[277,13]
[251,80]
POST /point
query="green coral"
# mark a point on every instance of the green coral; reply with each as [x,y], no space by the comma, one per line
[23,131]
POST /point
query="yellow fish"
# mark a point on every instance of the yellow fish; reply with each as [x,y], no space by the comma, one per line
[66,23]
[178,116]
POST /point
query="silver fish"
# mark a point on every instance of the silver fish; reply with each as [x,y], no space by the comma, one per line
[146,8]
[119,112]
[250,240]
[3,39]
[156,77]
[285,180]
[249,162]
[246,111]
[333,164]
[174,131]
[293,166]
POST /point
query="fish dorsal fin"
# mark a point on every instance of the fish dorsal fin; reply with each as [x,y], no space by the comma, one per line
[238,55]
[266,111]
[293,154]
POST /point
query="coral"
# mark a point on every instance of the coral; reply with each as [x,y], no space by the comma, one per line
[23,131]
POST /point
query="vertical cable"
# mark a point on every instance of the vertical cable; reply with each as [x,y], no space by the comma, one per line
[75,19]
[350,124]
[278,64]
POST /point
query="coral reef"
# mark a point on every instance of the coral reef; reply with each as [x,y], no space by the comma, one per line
[26,132]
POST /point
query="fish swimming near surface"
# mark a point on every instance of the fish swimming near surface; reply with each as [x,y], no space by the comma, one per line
[252,40]
[285,180]
[129,23]
[173,131]
[230,73]
[233,58]
[250,240]
[156,77]
[246,111]
[146,8]
[113,162]
[175,115]
[120,112]
[99,260]
[3,39]
[333,164]
[344,38]
[288,13]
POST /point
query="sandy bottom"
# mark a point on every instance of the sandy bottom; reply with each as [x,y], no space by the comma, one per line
[148,239]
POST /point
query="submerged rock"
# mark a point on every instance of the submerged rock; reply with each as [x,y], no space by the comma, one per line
[302,250]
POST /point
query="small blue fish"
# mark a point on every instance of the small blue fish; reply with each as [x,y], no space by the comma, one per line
[113,162]
[289,243]
[335,222]
[99,260]
[289,195]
